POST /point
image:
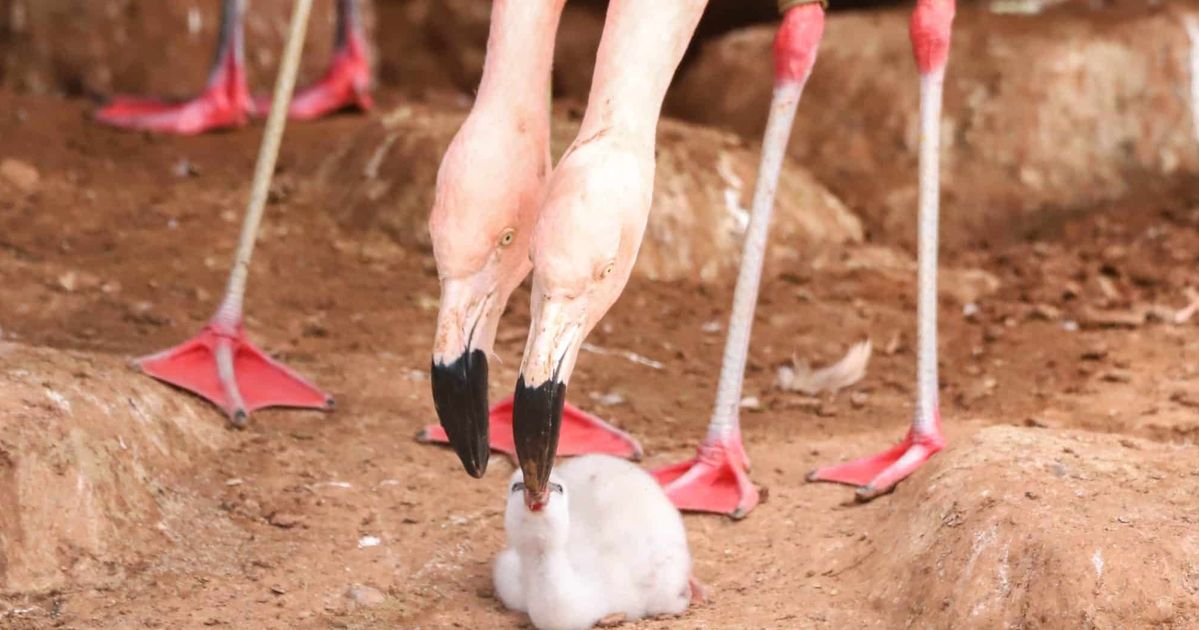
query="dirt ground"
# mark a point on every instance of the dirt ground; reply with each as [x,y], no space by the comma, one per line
[1070,397]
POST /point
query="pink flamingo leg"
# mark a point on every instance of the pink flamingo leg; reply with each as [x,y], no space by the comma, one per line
[346,84]
[931,25]
[717,479]
[225,101]
[581,433]
[220,364]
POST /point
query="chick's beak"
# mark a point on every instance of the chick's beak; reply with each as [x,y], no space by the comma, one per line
[554,340]
[459,370]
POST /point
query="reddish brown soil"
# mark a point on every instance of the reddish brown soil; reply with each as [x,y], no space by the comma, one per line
[1066,446]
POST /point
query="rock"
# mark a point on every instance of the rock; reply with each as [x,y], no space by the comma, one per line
[366,596]
[285,520]
[968,286]
[1117,376]
[1097,318]
[21,175]
[1045,312]
[704,181]
[751,403]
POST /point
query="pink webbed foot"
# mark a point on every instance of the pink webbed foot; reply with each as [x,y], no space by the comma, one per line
[224,103]
[717,480]
[346,84]
[877,474]
[581,433]
[223,367]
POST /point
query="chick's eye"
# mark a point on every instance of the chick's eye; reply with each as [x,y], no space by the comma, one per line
[507,237]
[518,486]
[554,487]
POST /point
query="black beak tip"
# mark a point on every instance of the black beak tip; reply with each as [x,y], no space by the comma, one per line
[460,397]
[536,421]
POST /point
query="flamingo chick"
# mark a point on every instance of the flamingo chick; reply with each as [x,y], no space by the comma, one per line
[609,543]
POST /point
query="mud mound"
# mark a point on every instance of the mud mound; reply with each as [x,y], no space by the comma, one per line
[88,451]
[704,184]
[1059,110]
[1026,528]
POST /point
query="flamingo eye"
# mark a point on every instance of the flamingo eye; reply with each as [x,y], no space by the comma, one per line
[507,237]
[608,269]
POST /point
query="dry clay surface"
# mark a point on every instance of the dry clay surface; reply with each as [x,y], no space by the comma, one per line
[1069,393]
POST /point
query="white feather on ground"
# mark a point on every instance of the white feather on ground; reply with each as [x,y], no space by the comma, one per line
[849,370]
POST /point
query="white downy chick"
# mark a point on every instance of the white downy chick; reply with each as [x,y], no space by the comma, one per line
[608,541]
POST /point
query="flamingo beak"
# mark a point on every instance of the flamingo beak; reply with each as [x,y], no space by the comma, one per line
[554,340]
[459,372]
[536,501]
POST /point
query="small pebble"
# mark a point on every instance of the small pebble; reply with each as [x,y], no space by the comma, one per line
[20,174]
[284,520]
[1117,377]
[365,595]
[610,399]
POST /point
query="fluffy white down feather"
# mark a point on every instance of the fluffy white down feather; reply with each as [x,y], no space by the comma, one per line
[610,543]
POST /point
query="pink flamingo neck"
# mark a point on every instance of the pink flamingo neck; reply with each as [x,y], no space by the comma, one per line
[520,54]
[640,50]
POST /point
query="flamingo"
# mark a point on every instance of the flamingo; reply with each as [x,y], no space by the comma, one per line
[594,214]
[717,479]
[225,100]
[220,364]
[593,219]
[487,201]
[610,543]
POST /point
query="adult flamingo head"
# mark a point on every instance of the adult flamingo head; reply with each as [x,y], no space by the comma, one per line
[583,251]
[488,190]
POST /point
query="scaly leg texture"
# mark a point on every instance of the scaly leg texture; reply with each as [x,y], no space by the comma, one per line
[582,433]
[717,479]
[931,24]
[220,364]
